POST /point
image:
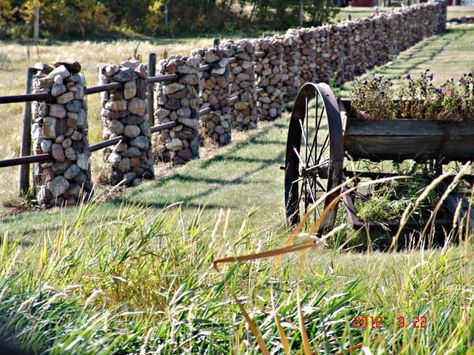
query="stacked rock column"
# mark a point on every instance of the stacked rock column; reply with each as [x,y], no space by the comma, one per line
[348,66]
[290,69]
[179,102]
[244,112]
[60,129]
[307,55]
[443,14]
[124,113]
[323,66]
[269,78]
[357,43]
[216,126]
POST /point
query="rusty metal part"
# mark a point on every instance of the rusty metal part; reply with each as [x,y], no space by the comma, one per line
[304,177]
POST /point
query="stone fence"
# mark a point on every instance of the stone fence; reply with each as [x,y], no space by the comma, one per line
[235,85]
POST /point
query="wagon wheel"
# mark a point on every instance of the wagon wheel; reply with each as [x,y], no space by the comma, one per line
[314,153]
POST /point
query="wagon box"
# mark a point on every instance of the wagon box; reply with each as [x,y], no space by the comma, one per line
[323,131]
[400,139]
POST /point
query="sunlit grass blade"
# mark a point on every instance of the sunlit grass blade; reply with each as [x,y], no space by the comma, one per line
[281,331]
[302,327]
[309,243]
[253,327]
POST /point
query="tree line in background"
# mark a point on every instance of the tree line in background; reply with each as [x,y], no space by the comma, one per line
[80,18]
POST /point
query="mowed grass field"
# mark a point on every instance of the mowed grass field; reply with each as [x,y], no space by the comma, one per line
[135,274]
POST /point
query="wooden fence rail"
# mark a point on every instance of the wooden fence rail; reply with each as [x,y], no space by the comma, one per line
[25,159]
[29,159]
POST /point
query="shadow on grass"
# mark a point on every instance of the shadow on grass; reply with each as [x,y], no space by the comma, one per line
[215,184]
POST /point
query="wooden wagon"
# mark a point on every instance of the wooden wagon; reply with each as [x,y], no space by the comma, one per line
[323,132]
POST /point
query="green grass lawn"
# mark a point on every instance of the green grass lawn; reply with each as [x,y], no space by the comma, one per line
[126,276]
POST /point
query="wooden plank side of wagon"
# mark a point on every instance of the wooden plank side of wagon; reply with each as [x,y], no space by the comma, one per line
[410,139]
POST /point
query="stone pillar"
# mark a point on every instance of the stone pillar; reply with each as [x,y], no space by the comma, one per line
[345,51]
[336,54]
[269,78]
[307,55]
[358,46]
[215,127]
[323,65]
[60,129]
[442,16]
[178,101]
[244,111]
[124,113]
[290,69]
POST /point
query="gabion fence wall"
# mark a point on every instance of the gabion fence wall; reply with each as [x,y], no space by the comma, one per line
[60,128]
[236,84]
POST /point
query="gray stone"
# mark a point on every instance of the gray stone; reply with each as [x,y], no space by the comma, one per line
[120,105]
[129,90]
[175,144]
[132,152]
[74,106]
[140,142]
[190,122]
[124,74]
[72,171]
[46,145]
[137,106]
[58,186]
[131,131]
[145,128]
[129,177]
[211,57]
[184,112]
[133,119]
[116,127]
[218,71]
[124,165]
[220,130]
[76,136]
[57,90]
[58,152]
[114,158]
[65,98]
[83,161]
[57,111]
[172,88]
[190,79]
[110,70]
[60,71]
[49,127]
[70,153]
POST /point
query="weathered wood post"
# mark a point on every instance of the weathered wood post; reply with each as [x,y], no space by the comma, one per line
[124,113]
[24,176]
[151,68]
[60,128]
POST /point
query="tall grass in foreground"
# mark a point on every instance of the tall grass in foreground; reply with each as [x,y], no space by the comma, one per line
[146,284]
